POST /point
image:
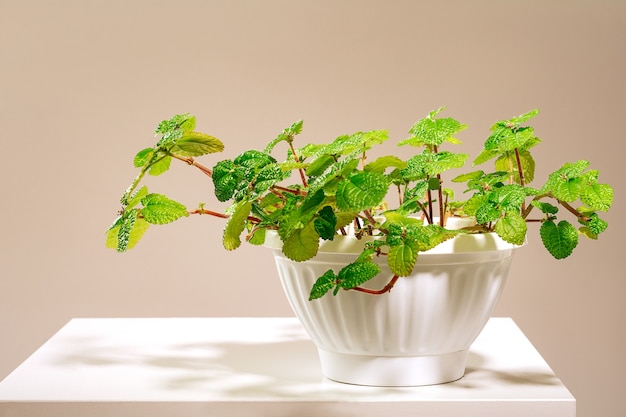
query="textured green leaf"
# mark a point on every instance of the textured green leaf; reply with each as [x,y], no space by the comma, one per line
[319,165]
[505,138]
[472,205]
[521,119]
[431,164]
[485,213]
[474,175]
[434,131]
[512,228]
[508,162]
[361,191]
[251,162]
[485,156]
[326,223]
[196,144]
[267,177]
[137,197]
[546,208]
[334,172]
[594,226]
[142,157]
[126,231]
[402,258]
[323,284]
[184,122]
[560,240]
[567,189]
[383,163]
[285,136]
[161,166]
[226,179]
[302,244]
[509,197]
[158,209]
[258,236]
[357,273]
[598,196]
[236,224]
[357,142]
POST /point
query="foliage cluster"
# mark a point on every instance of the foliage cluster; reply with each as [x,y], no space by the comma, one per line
[336,191]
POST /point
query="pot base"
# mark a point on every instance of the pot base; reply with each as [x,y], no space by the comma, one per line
[393,371]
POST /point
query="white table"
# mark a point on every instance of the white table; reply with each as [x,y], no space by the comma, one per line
[231,367]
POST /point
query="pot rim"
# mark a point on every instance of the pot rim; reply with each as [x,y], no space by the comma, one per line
[464,243]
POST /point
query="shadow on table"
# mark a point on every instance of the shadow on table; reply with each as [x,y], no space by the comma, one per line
[287,367]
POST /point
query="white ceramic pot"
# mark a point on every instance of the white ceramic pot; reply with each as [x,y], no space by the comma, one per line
[417,334]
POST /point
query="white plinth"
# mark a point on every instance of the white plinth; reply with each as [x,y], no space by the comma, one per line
[258,367]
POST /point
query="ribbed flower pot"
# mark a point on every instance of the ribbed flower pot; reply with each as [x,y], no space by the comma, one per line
[417,334]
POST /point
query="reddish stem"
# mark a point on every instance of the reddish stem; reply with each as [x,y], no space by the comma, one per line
[383,290]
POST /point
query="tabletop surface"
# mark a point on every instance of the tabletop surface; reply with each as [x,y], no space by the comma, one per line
[258,367]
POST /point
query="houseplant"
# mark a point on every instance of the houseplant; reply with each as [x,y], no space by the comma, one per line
[323,198]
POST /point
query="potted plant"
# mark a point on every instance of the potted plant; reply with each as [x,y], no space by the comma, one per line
[391,294]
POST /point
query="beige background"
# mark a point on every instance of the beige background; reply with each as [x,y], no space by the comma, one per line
[83,84]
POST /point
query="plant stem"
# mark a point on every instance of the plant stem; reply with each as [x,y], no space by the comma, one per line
[189,160]
[221,215]
[441,208]
[383,290]
[522,181]
[369,217]
[573,211]
[297,159]
[288,190]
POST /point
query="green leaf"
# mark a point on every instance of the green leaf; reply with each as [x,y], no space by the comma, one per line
[252,161]
[567,183]
[236,224]
[485,156]
[267,177]
[474,175]
[319,165]
[567,189]
[382,163]
[593,224]
[431,164]
[137,197]
[323,284]
[179,121]
[158,209]
[472,205]
[597,196]
[143,157]
[302,244]
[334,172]
[357,273]
[509,197]
[512,228]
[126,231]
[485,213]
[226,179]
[560,240]
[258,236]
[358,142]
[196,144]
[508,162]
[161,165]
[546,208]
[433,131]
[521,119]
[326,223]
[361,191]
[402,257]
[286,135]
